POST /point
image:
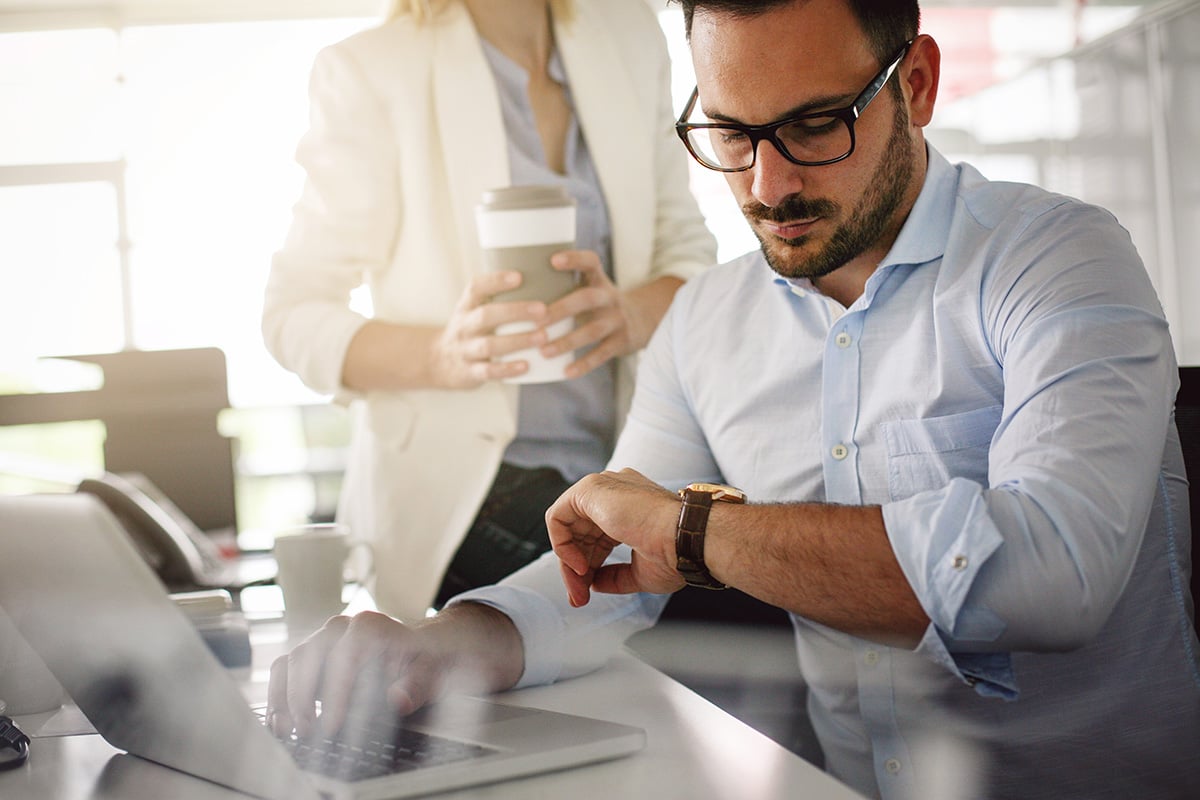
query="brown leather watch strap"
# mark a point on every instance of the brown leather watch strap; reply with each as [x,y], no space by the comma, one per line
[689,539]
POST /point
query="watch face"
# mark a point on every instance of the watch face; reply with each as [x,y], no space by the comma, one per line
[719,491]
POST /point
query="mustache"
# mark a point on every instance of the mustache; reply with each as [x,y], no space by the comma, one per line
[792,207]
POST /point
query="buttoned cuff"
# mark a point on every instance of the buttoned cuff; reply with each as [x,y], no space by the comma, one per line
[942,539]
[560,641]
[537,621]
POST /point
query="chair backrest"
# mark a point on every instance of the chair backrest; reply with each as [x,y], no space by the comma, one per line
[1187,420]
[159,409]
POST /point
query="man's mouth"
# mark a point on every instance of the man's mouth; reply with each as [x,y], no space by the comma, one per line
[791,229]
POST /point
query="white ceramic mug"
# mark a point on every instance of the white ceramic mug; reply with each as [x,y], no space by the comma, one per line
[312,573]
[26,683]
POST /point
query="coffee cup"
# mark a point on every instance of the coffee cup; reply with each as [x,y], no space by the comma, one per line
[26,684]
[520,227]
[312,563]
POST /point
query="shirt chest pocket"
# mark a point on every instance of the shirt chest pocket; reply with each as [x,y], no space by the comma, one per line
[924,454]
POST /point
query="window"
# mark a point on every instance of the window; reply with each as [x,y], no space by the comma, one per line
[146,185]
[146,178]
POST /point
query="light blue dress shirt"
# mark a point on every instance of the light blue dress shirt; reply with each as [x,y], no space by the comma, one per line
[1003,389]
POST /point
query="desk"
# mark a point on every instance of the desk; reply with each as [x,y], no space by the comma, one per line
[693,750]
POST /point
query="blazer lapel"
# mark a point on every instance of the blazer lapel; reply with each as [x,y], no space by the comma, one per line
[470,127]
[618,139]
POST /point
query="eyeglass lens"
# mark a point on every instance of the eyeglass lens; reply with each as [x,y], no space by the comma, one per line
[813,139]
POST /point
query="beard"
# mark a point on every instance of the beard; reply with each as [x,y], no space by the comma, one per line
[859,230]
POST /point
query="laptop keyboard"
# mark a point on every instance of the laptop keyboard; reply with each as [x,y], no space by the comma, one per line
[372,749]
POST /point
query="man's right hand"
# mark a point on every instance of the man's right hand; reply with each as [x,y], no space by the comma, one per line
[370,662]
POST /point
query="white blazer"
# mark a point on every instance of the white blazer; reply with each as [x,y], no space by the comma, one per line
[406,134]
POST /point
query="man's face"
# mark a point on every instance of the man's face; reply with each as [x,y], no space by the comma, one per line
[809,56]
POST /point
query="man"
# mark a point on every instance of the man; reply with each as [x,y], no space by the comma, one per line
[949,402]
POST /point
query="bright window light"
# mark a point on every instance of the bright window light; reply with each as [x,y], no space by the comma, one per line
[200,123]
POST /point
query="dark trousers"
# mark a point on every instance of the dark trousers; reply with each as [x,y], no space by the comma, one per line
[508,532]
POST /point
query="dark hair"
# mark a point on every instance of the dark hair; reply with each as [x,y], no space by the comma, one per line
[888,24]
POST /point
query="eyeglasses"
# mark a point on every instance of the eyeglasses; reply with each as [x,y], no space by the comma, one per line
[810,140]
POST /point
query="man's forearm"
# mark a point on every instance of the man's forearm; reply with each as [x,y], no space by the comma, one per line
[831,564]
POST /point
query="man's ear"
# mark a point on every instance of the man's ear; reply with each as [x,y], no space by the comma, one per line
[921,80]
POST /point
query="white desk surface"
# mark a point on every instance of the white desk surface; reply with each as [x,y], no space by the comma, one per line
[694,749]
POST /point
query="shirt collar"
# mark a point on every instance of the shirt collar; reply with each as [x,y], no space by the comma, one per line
[924,234]
[798,286]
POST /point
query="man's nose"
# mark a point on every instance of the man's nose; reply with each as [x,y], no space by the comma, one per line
[775,178]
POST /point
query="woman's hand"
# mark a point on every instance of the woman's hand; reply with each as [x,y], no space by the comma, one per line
[459,355]
[617,323]
[462,355]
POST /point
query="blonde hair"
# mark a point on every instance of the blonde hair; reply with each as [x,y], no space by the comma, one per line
[425,10]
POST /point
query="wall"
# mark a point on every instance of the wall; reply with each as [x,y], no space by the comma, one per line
[1115,123]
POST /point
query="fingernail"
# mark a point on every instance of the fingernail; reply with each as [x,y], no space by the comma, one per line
[302,727]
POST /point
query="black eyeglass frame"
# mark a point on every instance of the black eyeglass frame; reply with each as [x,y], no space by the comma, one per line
[770,131]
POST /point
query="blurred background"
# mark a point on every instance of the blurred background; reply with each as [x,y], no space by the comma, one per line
[146,178]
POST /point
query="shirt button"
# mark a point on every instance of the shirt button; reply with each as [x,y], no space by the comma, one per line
[960,562]
[842,339]
[871,658]
[839,451]
[796,290]
[892,765]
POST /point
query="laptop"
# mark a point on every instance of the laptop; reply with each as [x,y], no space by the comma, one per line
[89,605]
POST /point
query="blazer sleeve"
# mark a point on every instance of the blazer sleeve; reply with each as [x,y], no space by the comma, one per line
[683,244]
[343,227]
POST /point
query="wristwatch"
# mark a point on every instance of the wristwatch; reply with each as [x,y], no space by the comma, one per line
[689,535]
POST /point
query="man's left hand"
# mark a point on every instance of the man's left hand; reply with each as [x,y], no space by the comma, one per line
[604,510]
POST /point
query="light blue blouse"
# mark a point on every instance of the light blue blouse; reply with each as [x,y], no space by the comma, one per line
[568,425]
[1004,390]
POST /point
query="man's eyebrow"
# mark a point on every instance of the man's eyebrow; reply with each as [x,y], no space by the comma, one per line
[828,103]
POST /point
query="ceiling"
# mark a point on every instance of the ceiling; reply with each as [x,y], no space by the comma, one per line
[18,15]
[43,14]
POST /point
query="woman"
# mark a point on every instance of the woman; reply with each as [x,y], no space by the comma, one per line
[411,122]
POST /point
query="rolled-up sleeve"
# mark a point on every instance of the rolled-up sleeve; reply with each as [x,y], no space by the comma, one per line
[1089,382]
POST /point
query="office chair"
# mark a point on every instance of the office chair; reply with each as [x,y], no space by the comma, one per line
[1187,420]
[159,409]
